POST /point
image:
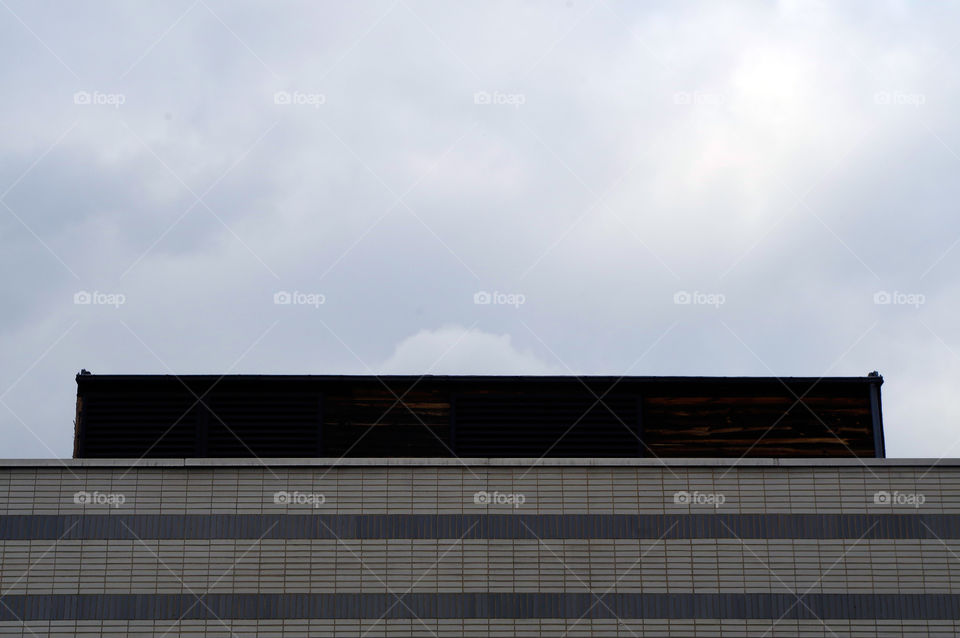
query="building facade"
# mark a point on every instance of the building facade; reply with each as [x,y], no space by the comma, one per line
[480,547]
[336,416]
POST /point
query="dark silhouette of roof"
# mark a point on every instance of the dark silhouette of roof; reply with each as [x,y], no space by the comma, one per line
[269,416]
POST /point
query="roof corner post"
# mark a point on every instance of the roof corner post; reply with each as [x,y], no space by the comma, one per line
[641,446]
[453,423]
[79,435]
[876,417]
[320,449]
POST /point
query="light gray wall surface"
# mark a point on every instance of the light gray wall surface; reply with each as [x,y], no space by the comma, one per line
[574,545]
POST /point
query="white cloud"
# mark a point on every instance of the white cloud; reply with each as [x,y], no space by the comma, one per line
[459,350]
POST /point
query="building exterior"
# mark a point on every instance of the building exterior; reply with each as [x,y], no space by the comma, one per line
[165,416]
[351,506]
[480,547]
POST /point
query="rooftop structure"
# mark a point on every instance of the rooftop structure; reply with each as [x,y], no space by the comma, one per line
[160,416]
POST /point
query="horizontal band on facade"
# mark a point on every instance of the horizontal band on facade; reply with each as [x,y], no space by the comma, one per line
[819,463]
[479,605]
[477,526]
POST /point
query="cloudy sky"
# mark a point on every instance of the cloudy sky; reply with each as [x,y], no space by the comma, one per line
[590,187]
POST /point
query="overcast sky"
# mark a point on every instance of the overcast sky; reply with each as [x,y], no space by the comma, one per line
[527,187]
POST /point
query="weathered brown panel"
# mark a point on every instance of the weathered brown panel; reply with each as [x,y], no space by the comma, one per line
[758,426]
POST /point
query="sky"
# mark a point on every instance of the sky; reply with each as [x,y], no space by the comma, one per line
[570,187]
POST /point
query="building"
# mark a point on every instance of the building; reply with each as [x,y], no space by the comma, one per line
[698,524]
[163,416]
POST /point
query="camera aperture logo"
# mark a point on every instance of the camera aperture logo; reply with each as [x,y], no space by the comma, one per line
[897,298]
[96,98]
[899,499]
[97,298]
[710,499]
[697,298]
[899,98]
[299,98]
[297,298]
[105,499]
[499,498]
[307,499]
[497,298]
[498,98]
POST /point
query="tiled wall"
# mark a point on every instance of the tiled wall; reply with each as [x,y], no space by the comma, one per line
[453,628]
[275,566]
[897,545]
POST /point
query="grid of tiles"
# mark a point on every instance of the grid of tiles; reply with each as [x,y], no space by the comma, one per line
[700,580]
[328,566]
[479,628]
[492,526]
[435,490]
[486,605]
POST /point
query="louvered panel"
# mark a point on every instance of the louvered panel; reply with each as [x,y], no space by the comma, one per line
[134,424]
[283,416]
[546,425]
[370,419]
[262,424]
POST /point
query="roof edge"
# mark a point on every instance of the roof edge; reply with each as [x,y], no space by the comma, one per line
[87,377]
[477,462]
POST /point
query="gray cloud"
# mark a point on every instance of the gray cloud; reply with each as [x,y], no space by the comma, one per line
[596,158]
